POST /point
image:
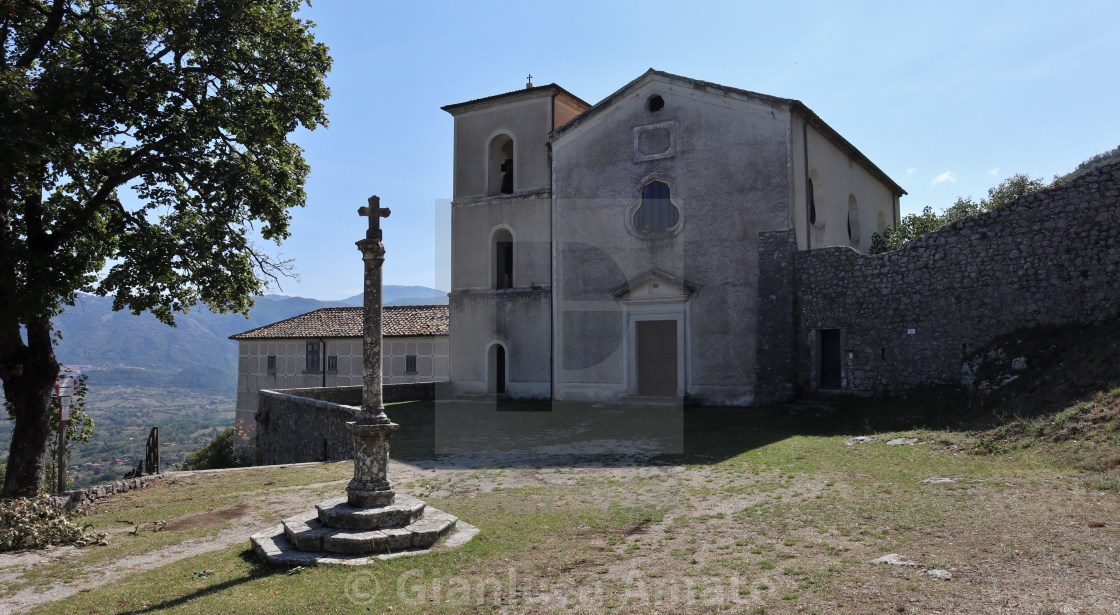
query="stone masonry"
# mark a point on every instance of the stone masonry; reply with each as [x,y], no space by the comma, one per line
[299,425]
[910,318]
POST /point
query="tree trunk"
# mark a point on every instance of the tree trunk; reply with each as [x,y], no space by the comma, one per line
[29,391]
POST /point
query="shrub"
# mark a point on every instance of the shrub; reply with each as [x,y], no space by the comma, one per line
[218,453]
[32,523]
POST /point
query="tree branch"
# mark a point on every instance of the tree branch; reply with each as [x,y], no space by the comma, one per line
[54,21]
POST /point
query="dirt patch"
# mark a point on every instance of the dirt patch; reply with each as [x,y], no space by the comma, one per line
[209,519]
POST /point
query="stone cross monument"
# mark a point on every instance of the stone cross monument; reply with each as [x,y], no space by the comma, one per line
[372,522]
[370,485]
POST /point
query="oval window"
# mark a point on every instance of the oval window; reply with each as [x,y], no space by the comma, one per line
[657,212]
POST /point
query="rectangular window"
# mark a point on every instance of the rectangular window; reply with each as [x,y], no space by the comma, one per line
[410,364]
[332,364]
[272,364]
[312,357]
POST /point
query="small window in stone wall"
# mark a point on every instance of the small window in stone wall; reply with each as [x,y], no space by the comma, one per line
[272,364]
[410,364]
[853,221]
[813,189]
[312,357]
[332,364]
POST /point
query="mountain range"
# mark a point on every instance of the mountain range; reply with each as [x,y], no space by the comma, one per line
[120,348]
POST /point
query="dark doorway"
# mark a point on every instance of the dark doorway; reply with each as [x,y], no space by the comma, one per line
[499,370]
[657,357]
[830,359]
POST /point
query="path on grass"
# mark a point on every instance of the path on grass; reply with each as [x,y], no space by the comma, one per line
[448,476]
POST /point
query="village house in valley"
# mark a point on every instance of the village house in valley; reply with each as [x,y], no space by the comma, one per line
[323,348]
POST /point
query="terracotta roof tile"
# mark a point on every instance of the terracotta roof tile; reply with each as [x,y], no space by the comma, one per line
[397,321]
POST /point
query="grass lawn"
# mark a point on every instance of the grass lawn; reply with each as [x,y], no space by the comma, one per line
[762,513]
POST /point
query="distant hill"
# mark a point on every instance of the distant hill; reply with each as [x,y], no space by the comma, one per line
[119,348]
[406,295]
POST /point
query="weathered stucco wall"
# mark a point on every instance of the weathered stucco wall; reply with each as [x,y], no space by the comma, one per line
[515,318]
[726,161]
[838,180]
[909,318]
[527,119]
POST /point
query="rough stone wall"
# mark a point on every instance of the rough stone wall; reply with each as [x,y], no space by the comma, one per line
[908,318]
[292,428]
[298,425]
[69,500]
[775,350]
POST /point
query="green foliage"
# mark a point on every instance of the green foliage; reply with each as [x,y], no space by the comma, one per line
[910,227]
[913,226]
[32,523]
[221,452]
[1099,160]
[188,104]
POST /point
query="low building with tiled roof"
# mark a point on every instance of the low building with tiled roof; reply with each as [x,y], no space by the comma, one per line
[340,322]
[323,348]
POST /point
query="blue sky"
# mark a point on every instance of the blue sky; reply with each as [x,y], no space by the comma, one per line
[947,97]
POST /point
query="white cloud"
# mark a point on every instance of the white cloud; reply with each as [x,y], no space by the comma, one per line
[947,176]
[911,171]
[993,172]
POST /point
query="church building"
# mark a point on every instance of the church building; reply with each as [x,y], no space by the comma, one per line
[625,250]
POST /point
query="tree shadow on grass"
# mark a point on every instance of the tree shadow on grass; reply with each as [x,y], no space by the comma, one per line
[258,571]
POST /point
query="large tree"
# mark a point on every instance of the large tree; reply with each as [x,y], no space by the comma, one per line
[142,144]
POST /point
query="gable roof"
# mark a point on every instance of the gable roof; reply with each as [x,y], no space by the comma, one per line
[552,88]
[794,105]
[396,321]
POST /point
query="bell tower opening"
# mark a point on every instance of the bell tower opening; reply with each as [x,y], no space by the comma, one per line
[500,180]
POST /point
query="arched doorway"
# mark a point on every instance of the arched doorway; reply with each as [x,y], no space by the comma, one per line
[496,369]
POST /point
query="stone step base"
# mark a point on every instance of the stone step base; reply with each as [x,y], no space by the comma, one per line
[308,533]
[337,513]
[273,548]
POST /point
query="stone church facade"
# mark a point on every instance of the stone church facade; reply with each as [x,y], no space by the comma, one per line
[626,250]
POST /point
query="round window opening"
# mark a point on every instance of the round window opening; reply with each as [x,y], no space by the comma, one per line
[657,212]
[655,103]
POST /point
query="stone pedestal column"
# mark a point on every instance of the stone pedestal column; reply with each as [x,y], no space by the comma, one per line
[370,485]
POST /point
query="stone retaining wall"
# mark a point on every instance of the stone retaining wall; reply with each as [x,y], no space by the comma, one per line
[69,500]
[911,317]
[298,425]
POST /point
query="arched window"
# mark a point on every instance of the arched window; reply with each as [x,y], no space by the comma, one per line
[814,219]
[500,166]
[657,212]
[503,259]
[853,221]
